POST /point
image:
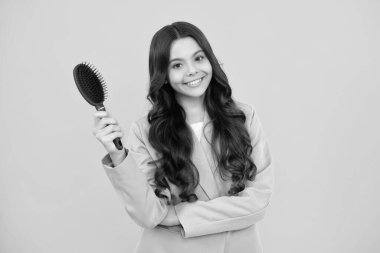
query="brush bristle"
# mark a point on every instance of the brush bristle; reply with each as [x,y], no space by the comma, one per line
[90,83]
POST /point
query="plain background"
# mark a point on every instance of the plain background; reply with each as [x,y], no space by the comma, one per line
[311,69]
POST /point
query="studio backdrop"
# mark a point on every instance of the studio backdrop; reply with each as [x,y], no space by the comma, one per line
[310,68]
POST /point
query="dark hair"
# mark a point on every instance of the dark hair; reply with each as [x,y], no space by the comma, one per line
[169,133]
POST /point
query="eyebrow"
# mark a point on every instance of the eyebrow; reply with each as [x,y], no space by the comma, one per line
[178,59]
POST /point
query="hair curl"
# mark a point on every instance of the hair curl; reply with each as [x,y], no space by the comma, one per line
[169,133]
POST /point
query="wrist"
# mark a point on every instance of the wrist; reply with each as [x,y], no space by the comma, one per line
[118,156]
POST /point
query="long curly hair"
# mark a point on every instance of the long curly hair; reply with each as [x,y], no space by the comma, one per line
[170,135]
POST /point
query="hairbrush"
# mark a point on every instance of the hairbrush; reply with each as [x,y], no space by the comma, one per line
[93,88]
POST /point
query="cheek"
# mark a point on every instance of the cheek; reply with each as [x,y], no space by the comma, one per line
[175,77]
[207,67]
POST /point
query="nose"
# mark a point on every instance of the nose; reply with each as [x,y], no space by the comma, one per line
[191,71]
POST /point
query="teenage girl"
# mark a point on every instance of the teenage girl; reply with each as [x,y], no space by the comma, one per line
[196,172]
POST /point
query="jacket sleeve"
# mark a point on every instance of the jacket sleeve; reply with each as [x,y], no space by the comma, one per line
[229,213]
[133,180]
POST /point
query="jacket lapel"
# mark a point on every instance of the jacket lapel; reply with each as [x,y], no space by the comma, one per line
[203,159]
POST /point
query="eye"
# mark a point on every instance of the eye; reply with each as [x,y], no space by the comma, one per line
[176,65]
[199,58]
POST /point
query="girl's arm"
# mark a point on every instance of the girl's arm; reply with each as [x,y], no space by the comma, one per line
[228,213]
[133,180]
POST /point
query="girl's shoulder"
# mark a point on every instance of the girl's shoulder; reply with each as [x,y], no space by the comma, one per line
[141,125]
[247,108]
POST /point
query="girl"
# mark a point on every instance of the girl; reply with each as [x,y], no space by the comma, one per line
[196,172]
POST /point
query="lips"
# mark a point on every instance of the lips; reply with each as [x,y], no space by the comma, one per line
[194,82]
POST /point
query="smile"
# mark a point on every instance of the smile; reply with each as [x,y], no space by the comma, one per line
[194,83]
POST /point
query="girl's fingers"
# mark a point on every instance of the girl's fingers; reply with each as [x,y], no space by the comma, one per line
[105,122]
[102,120]
[102,114]
[110,137]
[98,115]
[107,130]
[107,140]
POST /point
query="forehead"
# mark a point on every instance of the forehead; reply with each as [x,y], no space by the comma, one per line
[183,48]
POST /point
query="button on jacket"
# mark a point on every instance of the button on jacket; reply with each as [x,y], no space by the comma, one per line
[216,222]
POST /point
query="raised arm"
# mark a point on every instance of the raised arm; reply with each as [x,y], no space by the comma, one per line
[229,213]
[133,180]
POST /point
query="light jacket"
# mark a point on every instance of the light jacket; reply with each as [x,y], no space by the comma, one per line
[215,223]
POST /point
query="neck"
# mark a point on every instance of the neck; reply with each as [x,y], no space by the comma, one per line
[194,108]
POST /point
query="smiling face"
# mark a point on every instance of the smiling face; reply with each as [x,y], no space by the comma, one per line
[189,70]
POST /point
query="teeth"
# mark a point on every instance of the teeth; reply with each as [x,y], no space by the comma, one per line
[193,83]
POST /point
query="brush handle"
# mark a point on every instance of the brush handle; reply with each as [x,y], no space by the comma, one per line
[117,140]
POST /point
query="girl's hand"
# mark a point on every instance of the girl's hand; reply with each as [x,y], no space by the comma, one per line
[171,218]
[106,129]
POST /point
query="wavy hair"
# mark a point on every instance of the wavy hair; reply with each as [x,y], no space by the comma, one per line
[169,134]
